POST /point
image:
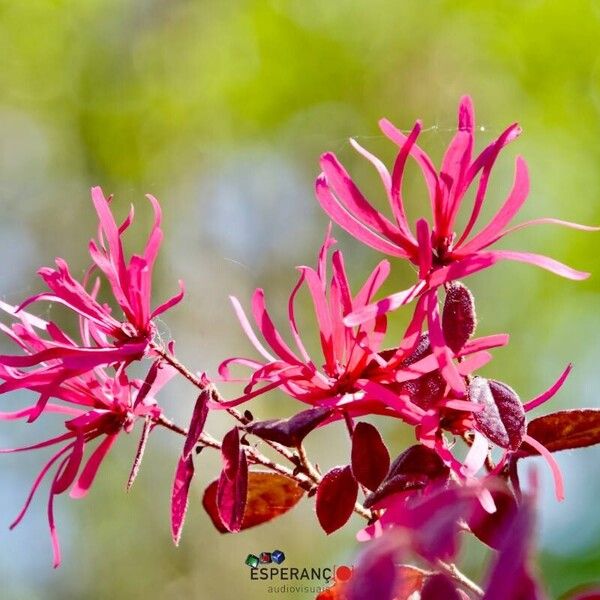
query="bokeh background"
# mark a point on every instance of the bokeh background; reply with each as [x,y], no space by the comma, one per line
[221,109]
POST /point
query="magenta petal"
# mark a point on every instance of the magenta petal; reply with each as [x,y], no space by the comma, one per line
[393,302]
[559,486]
[268,329]
[179,496]
[88,474]
[425,252]
[539,260]
[350,223]
[171,302]
[245,323]
[355,203]
[513,204]
[550,392]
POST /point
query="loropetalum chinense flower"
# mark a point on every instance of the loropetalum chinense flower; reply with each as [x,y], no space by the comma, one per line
[440,253]
[105,338]
[98,406]
[89,375]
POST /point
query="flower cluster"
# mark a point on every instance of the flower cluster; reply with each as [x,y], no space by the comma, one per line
[470,431]
[88,375]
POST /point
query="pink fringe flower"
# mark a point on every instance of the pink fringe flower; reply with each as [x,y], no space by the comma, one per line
[54,357]
[98,407]
[434,247]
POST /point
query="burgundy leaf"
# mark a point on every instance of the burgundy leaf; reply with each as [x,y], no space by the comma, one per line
[290,432]
[179,496]
[197,422]
[413,469]
[439,587]
[370,457]
[233,482]
[458,318]
[490,528]
[564,430]
[502,418]
[336,496]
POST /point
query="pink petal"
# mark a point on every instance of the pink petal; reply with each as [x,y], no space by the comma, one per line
[559,487]
[425,251]
[397,177]
[476,456]
[355,203]
[424,162]
[371,286]
[540,261]
[485,160]
[550,392]
[384,306]
[321,312]
[88,474]
[243,319]
[171,302]
[268,329]
[350,223]
[292,320]
[509,209]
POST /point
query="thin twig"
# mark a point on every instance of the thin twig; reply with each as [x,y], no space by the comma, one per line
[452,571]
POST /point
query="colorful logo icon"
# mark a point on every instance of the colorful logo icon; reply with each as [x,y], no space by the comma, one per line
[264,558]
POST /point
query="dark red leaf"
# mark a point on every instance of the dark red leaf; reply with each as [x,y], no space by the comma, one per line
[502,418]
[458,318]
[413,469]
[269,495]
[179,496]
[370,457]
[490,528]
[439,587]
[290,432]
[197,421]
[564,430]
[233,483]
[336,496]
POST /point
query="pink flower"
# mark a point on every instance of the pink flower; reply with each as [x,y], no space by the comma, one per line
[440,253]
[357,375]
[98,407]
[51,356]
[348,353]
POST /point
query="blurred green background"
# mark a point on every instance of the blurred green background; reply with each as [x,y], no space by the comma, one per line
[221,109]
